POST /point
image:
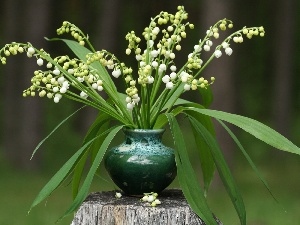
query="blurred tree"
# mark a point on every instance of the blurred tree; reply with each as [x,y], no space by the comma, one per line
[26,20]
[283,62]
[223,89]
[107,35]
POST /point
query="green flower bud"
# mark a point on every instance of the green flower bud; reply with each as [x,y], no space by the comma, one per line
[42,93]
[222,26]
[49,95]
[7,53]
[183,34]
[245,31]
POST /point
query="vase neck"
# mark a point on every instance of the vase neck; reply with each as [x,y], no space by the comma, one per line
[143,135]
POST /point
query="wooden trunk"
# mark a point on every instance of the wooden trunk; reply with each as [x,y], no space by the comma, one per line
[103,208]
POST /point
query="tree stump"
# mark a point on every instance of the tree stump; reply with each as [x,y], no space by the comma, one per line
[103,208]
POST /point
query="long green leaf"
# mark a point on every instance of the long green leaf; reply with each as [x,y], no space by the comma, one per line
[162,120]
[238,143]
[81,52]
[56,180]
[61,123]
[173,98]
[207,162]
[95,130]
[255,128]
[223,169]
[109,86]
[87,182]
[95,146]
[206,159]
[186,175]
[77,174]
[207,96]
[101,127]
[179,103]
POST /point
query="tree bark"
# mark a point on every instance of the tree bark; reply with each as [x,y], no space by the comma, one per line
[26,21]
[283,64]
[222,69]
[10,90]
[105,208]
[106,36]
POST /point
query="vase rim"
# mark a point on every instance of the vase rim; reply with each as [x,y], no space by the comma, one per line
[148,131]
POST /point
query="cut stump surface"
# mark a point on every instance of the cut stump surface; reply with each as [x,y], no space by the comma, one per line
[103,208]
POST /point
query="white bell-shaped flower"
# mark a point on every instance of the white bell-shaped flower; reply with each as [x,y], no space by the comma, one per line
[40,62]
[166,79]
[116,73]
[169,85]
[173,68]
[218,53]
[228,51]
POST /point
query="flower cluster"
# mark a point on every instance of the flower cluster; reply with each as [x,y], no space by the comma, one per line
[118,195]
[53,83]
[151,198]
[76,33]
[149,88]
[159,54]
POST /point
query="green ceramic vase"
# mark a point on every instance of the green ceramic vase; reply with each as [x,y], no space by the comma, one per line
[141,164]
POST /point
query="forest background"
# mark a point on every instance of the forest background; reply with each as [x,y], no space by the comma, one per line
[259,80]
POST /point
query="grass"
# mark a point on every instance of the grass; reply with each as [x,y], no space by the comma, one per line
[261,207]
[18,190]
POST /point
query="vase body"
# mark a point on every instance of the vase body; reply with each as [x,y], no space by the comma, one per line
[141,164]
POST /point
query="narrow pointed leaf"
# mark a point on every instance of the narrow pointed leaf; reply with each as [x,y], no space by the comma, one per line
[255,128]
[110,87]
[247,157]
[96,129]
[207,96]
[162,120]
[87,182]
[81,52]
[56,180]
[61,123]
[223,169]
[186,175]
[207,162]
[98,142]
[77,174]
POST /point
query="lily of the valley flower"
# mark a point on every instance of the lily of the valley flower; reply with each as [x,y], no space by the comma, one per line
[156,64]
[151,198]
[218,53]
[118,195]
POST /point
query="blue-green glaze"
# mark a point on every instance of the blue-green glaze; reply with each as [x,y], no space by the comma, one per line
[141,164]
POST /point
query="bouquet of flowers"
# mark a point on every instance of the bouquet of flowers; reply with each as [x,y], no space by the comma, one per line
[151,99]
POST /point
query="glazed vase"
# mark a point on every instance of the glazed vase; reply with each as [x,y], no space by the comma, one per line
[141,164]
